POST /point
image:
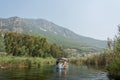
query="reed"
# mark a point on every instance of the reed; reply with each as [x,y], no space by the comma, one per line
[77,61]
[7,61]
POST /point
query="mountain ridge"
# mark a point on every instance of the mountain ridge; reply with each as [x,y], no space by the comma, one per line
[52,31]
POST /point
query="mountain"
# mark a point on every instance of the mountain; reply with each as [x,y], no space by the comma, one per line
[54,33]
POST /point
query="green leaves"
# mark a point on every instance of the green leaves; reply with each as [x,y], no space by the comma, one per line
[2,46]
[25,45]
[114,51]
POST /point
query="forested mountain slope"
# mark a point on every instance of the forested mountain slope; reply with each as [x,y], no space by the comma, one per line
[54,33]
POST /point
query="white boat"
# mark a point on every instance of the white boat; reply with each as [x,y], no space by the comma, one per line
[61,67]
[62,63]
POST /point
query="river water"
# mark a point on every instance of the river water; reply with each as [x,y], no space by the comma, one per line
[74,72]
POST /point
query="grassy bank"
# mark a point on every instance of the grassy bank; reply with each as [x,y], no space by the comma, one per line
[24,62]
[77,61]
[95,59]
[103,62]
[98,61]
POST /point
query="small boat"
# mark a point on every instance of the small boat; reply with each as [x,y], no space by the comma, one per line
[62,63]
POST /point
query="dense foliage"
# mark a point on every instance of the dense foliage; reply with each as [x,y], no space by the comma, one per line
[2,46]
[8,61]
[114,59]
[17,44]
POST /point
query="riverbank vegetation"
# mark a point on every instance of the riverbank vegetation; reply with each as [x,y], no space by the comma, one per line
[7,61]
[17,44]
[23,50]
[109,60]
[95,60]
[114,59]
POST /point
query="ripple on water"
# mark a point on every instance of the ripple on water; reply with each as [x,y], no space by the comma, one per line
[50,73]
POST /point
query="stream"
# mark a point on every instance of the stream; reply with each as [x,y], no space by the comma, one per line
[74,72]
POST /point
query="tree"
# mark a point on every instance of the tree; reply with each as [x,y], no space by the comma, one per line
[17,44]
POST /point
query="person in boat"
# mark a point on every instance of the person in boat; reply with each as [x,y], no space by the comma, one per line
[57,62]
[65,64]
[61,63]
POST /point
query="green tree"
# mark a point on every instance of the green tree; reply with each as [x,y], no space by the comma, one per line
[114,64]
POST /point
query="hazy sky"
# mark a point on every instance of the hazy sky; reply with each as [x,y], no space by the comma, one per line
[93,18]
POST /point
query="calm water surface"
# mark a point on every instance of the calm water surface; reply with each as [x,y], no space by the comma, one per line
[50,73]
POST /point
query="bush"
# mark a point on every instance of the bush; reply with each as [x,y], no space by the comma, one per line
[114,67]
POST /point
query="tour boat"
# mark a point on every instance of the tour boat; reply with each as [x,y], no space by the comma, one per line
[62,63]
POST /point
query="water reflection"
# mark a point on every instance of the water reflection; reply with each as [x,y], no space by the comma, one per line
[80,73]
[61,72]
[26,74]
[51,73]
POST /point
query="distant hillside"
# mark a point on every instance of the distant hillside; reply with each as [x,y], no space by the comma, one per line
[54,33]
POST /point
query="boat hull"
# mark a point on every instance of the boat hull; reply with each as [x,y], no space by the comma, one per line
[61,67]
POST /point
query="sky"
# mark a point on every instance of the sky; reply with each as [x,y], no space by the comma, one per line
[92,18]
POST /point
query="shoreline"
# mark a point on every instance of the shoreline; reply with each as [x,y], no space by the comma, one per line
[7,61]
